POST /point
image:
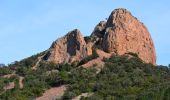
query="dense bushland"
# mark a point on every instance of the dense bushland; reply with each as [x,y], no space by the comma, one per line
[121,78]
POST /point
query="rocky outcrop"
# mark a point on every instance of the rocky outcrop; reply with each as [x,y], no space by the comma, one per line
[70,48]
[99,30]
[98,34]
[121,34]
[124,34]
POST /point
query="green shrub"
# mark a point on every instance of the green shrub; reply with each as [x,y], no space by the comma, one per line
[5,71]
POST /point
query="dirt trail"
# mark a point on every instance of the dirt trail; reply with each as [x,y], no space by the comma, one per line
[53,93]
[21,85]
[83,95]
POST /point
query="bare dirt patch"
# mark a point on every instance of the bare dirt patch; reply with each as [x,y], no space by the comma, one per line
[53,93]
[82,95]
[9,86]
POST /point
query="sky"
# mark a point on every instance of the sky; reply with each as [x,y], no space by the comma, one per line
[28,27]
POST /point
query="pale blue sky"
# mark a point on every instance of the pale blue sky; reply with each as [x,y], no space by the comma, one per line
[30,26]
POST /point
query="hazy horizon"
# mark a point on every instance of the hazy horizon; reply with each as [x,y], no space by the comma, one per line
[30,27]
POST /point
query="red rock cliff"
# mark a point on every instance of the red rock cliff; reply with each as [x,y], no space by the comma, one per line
[121,34]
[124,34]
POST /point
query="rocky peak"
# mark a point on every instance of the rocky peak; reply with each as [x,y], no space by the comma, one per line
[70,48]
[117,16]
[75,43]
[121,34]
[124,34]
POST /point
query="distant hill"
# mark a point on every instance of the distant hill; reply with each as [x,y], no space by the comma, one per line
[2,65]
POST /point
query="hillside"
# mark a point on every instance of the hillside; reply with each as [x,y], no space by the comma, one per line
[116,62]
[121,77]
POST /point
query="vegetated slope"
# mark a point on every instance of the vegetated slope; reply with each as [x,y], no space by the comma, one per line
[122,77]
[112,63]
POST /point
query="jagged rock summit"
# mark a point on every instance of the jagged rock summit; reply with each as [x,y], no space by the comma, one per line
[121,34]
[70,48]
[124,33]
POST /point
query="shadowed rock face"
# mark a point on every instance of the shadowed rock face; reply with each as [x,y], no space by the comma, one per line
[98,34]
[121,34]
[124,34]
[75,43]
[99,30]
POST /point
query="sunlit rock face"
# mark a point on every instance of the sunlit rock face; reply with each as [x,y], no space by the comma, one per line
[121,34]
[70,48]
[124,34]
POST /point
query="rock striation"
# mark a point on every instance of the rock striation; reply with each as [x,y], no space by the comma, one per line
[121,34]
